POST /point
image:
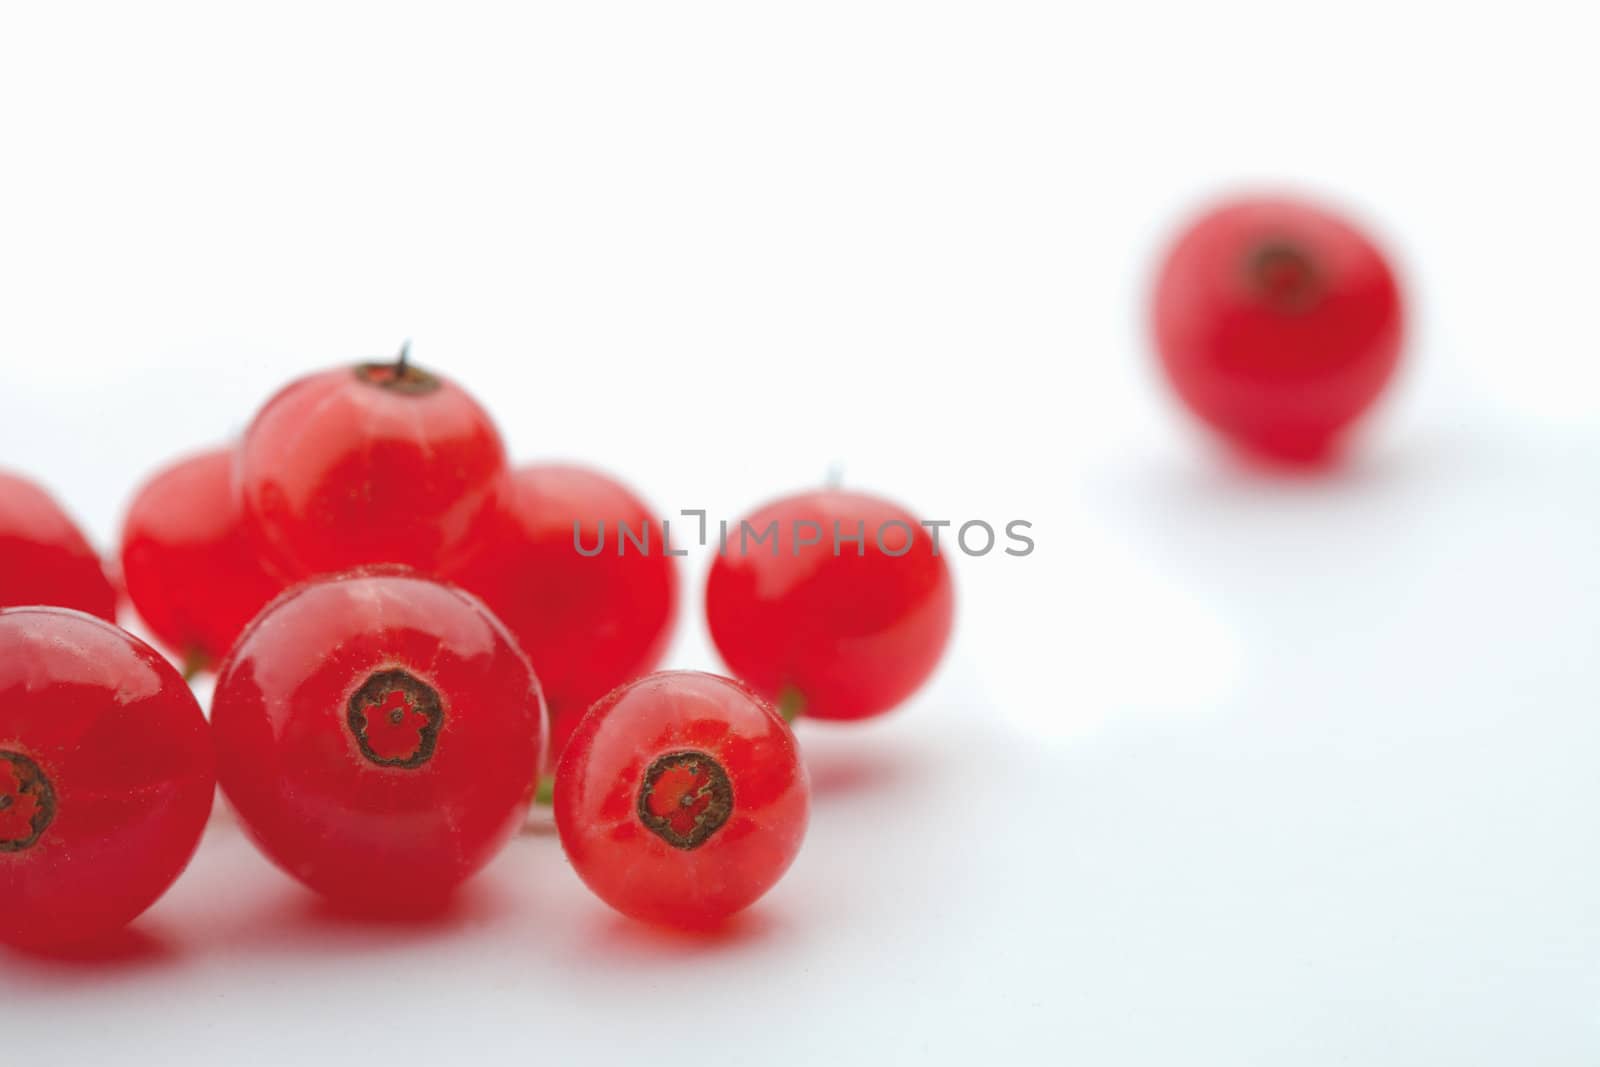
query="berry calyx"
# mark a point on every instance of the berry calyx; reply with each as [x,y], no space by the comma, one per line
[44,558]
[681,798]
[841,611]
[1278,324]
[685,798]
[401,376]
[1285,276]
[396,718]
[27,801]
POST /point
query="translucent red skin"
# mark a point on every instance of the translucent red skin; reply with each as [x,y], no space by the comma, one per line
[1284,382]
[376,838]
[852,635]
[189,563]
[336,472]
[599,778]
[588,624]
[127,752]
[44,558]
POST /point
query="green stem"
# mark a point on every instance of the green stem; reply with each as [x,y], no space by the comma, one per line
[546,792]
[791,704]
[194,662]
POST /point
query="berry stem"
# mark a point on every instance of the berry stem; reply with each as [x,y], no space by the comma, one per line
[791,704]
[194,662]
[546,792]
[403,360]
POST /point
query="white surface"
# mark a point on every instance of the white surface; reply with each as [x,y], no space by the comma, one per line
[1233,770]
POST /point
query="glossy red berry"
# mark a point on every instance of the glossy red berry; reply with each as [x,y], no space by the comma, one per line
[378,463]
[681,798]
[106,776]
[1278,324]
[44,559]
[587,622]
[378,734]
[841,611]
[191,567]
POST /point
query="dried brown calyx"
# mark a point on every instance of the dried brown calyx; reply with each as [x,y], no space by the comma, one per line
[27,802]
[685,798]
[1284,275]
[396,717]
[400,376]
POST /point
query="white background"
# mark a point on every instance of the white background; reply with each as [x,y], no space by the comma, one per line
[1233,770]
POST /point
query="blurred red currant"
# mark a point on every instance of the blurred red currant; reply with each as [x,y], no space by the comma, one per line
[190,565]
[106,776]
[587,622]
[1278,323]
[378,463]
[378,734]
[681,798]
[840,610]
[44,559]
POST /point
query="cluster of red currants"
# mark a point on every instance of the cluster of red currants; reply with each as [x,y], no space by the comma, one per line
[390,608]
[405,635]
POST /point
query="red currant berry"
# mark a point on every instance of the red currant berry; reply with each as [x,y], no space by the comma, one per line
[378,734]
[106,776]
[588,623]
[379,463]
[681,798]
[189,562]
[1278,323]
[44,559]
[841,611]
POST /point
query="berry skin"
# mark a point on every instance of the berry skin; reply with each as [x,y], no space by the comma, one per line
[189,562]
[44,559]
[106,777]
[378,463]
[587,623]
[378,734]
[835,636]
[681,798]
[1278,324]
